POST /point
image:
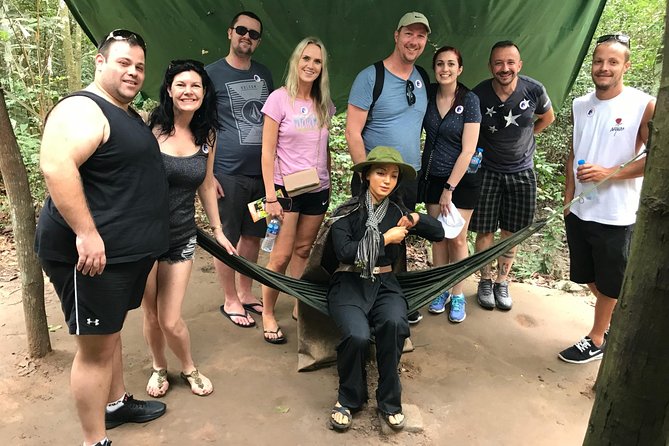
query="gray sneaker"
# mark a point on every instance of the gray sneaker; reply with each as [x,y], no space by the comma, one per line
[502,297]
[485,295]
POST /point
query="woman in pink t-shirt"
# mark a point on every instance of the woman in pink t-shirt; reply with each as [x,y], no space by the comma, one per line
[295,138]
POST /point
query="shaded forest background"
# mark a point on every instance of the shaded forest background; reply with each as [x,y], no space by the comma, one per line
[45,55]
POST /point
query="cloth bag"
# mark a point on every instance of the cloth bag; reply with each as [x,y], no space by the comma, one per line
[301,182]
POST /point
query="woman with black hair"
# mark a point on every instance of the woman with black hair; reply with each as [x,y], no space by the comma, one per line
[364,291]
[452,122]
[185,124]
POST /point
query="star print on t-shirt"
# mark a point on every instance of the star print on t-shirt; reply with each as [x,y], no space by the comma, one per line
[490,111]
[511,119]
[492,129]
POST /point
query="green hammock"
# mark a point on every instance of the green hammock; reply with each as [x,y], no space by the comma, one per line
[419,287]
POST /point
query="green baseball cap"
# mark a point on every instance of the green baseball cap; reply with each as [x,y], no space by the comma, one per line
[413,17]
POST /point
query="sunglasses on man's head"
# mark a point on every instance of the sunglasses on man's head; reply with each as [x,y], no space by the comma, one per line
[124,34]
[242,30]
[411,97]
[620,38]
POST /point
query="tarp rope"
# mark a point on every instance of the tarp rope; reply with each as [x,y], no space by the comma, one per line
[419,287]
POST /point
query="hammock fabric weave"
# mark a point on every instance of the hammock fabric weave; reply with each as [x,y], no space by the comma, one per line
[419,287]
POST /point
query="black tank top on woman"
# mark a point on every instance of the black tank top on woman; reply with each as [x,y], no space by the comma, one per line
[125,187]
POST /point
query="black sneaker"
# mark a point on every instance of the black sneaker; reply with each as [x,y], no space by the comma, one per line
[583,351]
[105,442]
[415,317]
[134,411]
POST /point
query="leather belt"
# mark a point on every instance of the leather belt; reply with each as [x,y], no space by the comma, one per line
[354,269]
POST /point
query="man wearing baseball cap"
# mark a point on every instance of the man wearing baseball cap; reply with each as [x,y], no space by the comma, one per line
[387,104]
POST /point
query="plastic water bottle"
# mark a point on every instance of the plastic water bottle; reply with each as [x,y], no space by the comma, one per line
[589,195]
[270,236]
[475,163]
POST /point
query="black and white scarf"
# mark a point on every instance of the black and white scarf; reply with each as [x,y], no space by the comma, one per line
[368,248]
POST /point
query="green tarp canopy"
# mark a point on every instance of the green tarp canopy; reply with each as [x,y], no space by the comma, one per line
[553,36]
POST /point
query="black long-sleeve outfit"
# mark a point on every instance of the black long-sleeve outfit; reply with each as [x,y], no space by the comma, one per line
[355,304]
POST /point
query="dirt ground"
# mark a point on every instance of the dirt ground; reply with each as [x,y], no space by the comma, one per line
[492,380]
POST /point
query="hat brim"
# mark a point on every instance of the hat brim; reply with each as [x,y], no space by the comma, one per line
[407,171]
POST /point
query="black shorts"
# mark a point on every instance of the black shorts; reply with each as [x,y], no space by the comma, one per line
[310,203]
[507,201]
[180,252]
[598,253]
[465,195]
[98,305]
[235,217]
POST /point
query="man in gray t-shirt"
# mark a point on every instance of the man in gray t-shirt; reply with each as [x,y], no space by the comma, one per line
[396,118]
[242,86]
[514,108]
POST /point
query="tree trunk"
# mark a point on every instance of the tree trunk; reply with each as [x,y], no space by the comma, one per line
[23,221]
[632,399]
[73,76]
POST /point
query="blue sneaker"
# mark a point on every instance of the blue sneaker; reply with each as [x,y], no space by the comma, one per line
[438,305]
[457,313]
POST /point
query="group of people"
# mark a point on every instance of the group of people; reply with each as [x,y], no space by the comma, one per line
[118,228]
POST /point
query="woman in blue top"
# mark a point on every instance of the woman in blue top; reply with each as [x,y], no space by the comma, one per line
[185,125]
[452,122]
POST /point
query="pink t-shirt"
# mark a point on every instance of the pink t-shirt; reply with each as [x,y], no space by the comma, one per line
[301,144]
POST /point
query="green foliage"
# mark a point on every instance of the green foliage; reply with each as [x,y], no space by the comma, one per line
[341,162]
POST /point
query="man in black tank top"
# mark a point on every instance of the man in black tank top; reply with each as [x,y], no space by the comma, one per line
[102,226]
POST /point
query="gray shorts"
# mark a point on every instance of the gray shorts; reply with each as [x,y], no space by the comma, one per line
[235,217]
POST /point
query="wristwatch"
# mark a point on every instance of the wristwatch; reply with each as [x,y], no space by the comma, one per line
[449,187]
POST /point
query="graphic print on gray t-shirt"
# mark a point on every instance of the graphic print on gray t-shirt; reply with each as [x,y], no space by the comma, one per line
[246,100]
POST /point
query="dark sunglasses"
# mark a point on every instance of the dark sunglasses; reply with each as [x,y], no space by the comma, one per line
[620,38]
[242,30]
[411,98]
[124,34]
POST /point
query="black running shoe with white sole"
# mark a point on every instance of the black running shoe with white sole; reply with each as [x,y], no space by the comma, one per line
[583,351]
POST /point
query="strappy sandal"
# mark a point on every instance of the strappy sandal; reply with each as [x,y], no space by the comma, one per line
[394,426]
[199,384]
[340,427]
[158,380]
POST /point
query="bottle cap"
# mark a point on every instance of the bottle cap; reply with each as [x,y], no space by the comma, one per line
[581,162]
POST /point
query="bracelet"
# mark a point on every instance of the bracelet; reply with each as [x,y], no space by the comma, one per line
[215,227]
[271,201]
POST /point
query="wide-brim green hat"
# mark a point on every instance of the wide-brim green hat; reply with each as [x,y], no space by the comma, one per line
[387,155]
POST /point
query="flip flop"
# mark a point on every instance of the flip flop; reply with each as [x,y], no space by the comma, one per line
[231,315]
[252,308]
[397,427]
[278,340]
[340,427]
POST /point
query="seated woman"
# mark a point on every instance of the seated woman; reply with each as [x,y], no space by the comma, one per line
[185,125]
[364,291]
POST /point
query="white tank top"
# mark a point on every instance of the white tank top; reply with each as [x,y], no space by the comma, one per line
[605,133]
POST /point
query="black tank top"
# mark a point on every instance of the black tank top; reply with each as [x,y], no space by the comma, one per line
[125,186]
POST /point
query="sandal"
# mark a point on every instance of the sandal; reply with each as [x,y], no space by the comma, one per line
[334,424]
[199,384]
[158,383]
[394,426]
[278,339]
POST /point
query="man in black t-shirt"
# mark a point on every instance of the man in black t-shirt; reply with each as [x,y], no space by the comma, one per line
[514,108]
[104,223]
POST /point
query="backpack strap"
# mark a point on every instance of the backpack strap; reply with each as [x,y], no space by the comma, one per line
[424,75]
[378,85]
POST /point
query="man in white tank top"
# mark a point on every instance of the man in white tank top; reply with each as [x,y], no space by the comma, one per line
[610,127]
